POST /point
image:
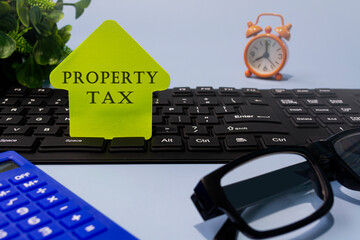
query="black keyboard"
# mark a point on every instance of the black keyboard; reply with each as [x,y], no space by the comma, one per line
[202,125]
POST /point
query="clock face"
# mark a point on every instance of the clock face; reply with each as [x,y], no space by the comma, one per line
[265,55]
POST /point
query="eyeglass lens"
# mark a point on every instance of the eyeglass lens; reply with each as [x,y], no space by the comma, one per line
[273,191]
[348,149]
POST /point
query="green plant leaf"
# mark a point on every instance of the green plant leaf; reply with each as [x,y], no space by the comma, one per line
[55,16]
[29,74]
[7,45]
[47,51]
[45,27]
[80,7]
[35,17]
[23,12]
[4,8]
[7,23]
[64,33]
[59,5]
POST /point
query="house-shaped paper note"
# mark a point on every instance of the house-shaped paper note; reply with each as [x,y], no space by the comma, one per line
[110,79]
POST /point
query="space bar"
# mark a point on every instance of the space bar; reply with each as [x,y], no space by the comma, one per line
[50,144]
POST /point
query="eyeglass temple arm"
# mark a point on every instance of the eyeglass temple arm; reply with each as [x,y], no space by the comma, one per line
[296,175]
[228,231]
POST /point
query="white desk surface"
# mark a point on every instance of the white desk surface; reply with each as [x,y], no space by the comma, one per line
[200,43]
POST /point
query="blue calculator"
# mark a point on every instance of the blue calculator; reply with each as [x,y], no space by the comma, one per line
[34,206]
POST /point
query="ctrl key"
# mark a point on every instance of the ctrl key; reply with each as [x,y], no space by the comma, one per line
[89,230]
[8,233]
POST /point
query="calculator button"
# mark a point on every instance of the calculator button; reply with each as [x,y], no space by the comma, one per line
[76,219]
[22,212]
[46,232]
[63,210]
[3,184]
[8,233]
[7,193]
[12,203]
[34,222]
[52,201]
[30,185]
[89,230]
[41,192]
[22,177]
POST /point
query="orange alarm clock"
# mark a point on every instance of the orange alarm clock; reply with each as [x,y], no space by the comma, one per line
[265,54]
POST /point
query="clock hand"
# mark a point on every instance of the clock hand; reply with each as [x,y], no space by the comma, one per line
[258,58]
[266,54]
[271,62]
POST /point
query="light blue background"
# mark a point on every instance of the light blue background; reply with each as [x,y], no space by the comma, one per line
[200,43]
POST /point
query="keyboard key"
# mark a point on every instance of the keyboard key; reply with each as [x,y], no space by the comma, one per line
[12,111]
[220,110]
[278,140]
[179,120]
[11,120]
[90,230]
[46,232]
[40,92]
[209,143]
[72,144]
[304,121]
[21,143]
[325,92]
[278,92]
[353,119]
[303,92]
[336,102]
[233,101]
[257,101]
[76,219]
[250,91]
[330,119]
[30,185]
[47,130]
[250,118]
[22,177]
[240,141]
[248,128]
[32,102]
[346,110]
[172,110]
[313,102]
[183,101]
[52,201]
[41,192]
[127,144]
[228,91]
[182,91]
[163,143]
[288,102]
[207,120]
[208,101]
[23,212]
[166,130]
[8,193]
[198,110]
[39,111]
[39,120]
[204,91]
[321,110]
[16,130]
[13,202]
[34,222]
[295,110]
[64,210]
[196,130]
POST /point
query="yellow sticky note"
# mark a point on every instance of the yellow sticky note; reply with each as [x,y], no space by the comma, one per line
[110,79]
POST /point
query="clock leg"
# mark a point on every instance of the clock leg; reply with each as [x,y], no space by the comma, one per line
[247,73]
[278,76]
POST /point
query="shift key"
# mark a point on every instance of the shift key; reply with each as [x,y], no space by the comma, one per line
[51,144]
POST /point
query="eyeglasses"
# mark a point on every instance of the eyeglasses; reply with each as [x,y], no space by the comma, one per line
[277,190]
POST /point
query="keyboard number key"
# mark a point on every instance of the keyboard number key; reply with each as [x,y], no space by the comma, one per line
[34,222]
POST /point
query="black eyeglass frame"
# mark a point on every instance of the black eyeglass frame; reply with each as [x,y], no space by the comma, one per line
[211,201]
